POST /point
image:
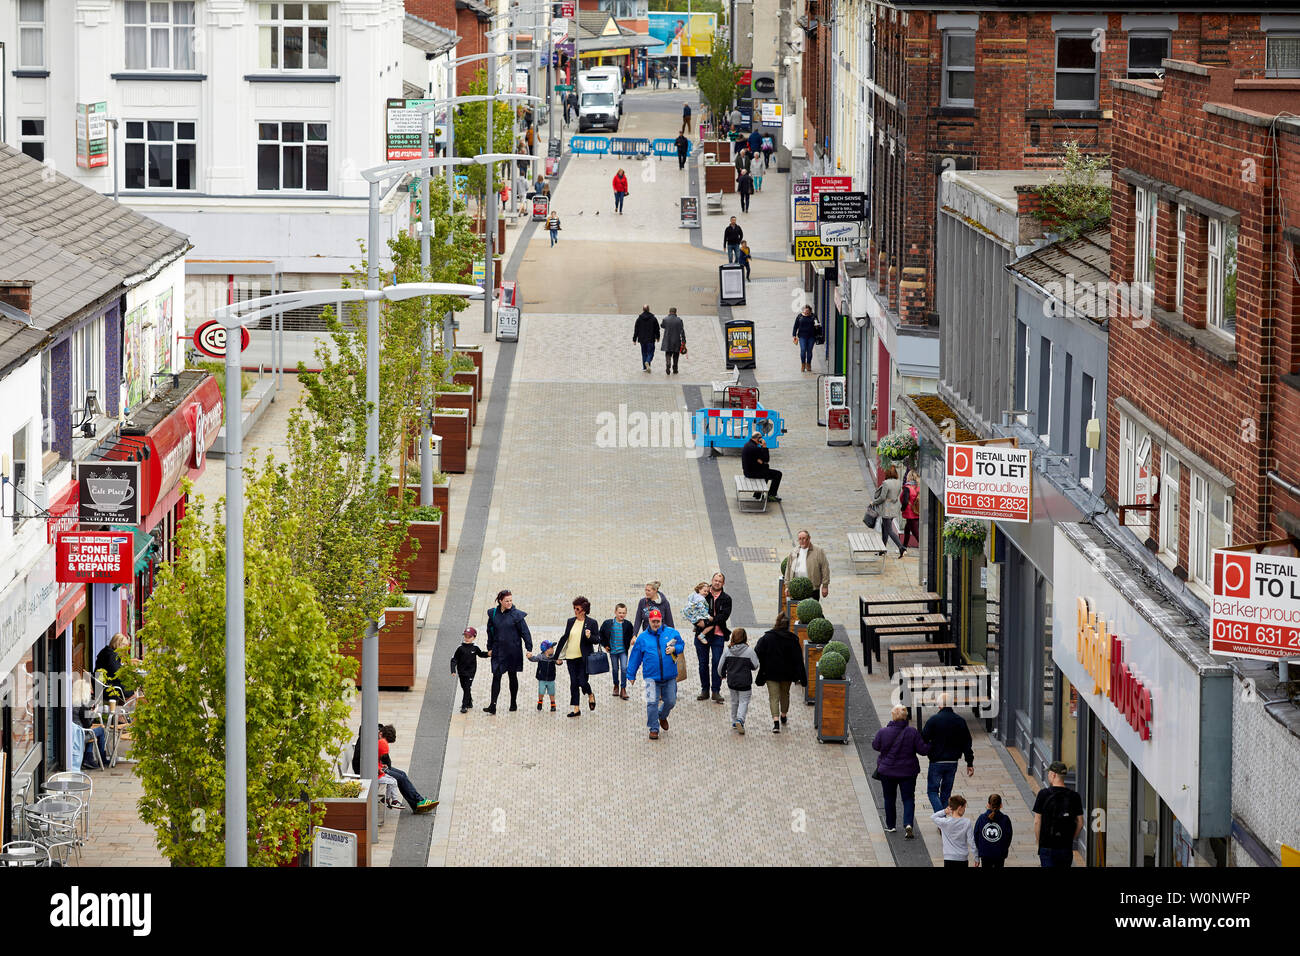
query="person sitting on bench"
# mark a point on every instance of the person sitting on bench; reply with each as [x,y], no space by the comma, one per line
[753,459]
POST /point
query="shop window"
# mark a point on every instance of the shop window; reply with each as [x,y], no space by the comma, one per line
[1180,275]
[958,68]
[1221,295]
[1282,54]
[1117,785]
[31,138]
[1146,207]
[1145,51]
[293,36]
[1088,410]
[1209,527]
[1047,696]
[1170,519]
[1077,66]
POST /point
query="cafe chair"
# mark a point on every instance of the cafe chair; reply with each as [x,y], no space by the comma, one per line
[83,795]
[24,853]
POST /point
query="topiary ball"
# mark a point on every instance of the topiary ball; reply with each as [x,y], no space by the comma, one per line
[832,666]
[809,609]
[800,589]
[838,647]
[820,630]
[784,561]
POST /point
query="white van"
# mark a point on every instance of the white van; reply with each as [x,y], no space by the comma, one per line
[615,74]
[598,101]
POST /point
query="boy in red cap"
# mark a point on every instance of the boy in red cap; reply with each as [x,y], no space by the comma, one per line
[465,666]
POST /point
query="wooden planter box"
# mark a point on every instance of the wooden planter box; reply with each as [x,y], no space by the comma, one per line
[475,353]
[396,649]
[442,499]
[720,177]
[832,714]
[478,226]
[473,379]
[812,653]
[720,148]
[421,565]
[463,400]
[453,426]
[355,815]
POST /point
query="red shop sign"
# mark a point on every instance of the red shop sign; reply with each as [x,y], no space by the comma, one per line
[63,513]
[94,557]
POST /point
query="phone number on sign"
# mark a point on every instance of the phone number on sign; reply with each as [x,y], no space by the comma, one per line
[986,503]
[1262,637]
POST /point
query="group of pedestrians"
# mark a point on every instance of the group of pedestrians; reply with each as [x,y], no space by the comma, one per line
[897,500]
[670,334]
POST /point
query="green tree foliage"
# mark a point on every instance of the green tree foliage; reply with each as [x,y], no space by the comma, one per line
[718,79]
[1078,200]
[296,708]
[471,132]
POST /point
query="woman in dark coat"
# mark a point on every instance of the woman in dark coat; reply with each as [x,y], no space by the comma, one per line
[780,664]
[581,635]
[507,636]
[899,743]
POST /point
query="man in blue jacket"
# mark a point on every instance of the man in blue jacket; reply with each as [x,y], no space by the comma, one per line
[949,738]
[653,652]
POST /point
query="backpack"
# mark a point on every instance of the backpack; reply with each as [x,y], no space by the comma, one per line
[739,672]
[1058,821]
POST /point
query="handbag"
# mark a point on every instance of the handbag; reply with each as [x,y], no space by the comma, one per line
[819,333]
[869,519]
[679,660]
[597,662]
[682,350]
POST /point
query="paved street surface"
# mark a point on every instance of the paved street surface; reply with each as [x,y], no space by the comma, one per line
[567,516]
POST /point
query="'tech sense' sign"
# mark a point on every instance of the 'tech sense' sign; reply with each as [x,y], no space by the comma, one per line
[988,481]
[1255,608]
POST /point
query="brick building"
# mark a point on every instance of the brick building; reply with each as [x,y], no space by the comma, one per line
[470,19]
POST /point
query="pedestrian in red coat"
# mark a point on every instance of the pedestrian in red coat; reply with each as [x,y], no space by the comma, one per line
[620,191]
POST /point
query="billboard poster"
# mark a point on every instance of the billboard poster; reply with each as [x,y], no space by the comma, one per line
[164,343]
[134,370]
[682,34]
[92,135]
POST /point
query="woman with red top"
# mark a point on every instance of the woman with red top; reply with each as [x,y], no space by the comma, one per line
[620,191]
[910,497]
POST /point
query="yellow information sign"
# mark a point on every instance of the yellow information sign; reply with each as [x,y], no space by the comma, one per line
[810,249]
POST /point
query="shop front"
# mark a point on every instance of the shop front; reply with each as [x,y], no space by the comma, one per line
[1148,723]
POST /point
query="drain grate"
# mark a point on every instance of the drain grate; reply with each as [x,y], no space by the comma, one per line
[753,555]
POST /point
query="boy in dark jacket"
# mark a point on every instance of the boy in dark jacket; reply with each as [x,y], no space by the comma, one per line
[464,664]
[616,636]
[993,834]
[545,661]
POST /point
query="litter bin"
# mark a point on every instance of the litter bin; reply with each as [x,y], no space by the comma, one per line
[741,350]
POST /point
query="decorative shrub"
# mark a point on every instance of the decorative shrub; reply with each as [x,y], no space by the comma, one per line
[898,445]
[454,386]
[461,363]
[837,647]
[809,609]
[424,513]
[832,666]
[349,789]
[783,563]
[800,589]
[820,630]
[964,537]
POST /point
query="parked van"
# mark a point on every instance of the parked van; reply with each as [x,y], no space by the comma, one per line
[616,75]
[598,101]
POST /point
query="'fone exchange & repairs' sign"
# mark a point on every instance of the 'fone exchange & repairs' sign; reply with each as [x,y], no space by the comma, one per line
[988,481]
[1255,609]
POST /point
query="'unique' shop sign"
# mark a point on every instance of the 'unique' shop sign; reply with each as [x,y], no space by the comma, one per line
[1255,608]
[988,481]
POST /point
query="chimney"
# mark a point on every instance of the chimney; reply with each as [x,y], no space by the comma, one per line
[17,293]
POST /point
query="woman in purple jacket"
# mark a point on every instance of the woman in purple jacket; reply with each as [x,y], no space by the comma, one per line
[898,767]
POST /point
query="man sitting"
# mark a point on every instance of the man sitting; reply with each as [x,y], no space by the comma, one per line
[753,459]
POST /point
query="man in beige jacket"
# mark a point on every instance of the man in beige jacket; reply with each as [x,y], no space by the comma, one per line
[808,562]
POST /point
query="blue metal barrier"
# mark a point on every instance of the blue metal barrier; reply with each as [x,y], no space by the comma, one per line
[732,427]
[589,145]
[668,147]
[629,146]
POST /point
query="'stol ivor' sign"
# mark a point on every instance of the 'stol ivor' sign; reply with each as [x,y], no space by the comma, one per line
[992,481]
[1255,609]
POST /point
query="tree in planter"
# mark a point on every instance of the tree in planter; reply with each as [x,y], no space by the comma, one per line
[718,79]
[471,134]
[832,666]
[820,631]
[837,647]
[296,710]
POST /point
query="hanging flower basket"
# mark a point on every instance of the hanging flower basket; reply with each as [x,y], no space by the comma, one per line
[964,537]
[898,445]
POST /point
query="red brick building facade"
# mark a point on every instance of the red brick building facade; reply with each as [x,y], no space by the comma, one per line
[1206,213]
[470,19]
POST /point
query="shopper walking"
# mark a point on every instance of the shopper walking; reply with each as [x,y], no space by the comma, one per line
[508,636]
[620,191]
[804,334]
[553,226]
[745,186]
[464,664]
[656,655]
[808,561]
[949,738]
[683,150]
[754,142]
[780,664]
[887,504]
[653,601]
[958,833]
[673,342]
[580,634]
[993,834]
[646,333]
[1058,818]
[909,499]
[898,744]
[731,239]
[743,257]
[769,146]
[616,636]
[737,667]
[711,637]
[686,117]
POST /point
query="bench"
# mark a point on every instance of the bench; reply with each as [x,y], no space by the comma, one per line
[867,550]
[720,387]
[713,201]
[746,488]
[421,613]
[941,649]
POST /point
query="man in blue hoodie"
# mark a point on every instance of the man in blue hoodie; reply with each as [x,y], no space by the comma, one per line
[653,652]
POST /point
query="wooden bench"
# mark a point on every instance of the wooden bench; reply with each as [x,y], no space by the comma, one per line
[746,488]
[867,550]
[713,201]
[942,649]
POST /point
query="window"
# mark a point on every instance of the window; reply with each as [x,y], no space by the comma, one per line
[160,155]
[1145,51]
[21,489]
[1210,527]
[1022,368]
[1067,410]
[1088,409]
[87,362]
[1135,474]
[1146,207]
[958,68]
[1076,71]
[32,138]
[159,35]
[1181,274]
[31,34]
[1221,294]
[292,156]
[1282,54]
[1044,409]
[1169,517]
[293,36]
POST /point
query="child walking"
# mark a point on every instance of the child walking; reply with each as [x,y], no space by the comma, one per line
[993,834]
[958,833]
[737,665]
[464,664]
[545,661]
[696,608]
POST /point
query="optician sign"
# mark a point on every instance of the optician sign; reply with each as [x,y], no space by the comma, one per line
[1255,608]
[988,481]
[839,233]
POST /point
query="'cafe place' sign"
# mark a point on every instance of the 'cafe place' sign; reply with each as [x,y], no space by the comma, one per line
[1102,656]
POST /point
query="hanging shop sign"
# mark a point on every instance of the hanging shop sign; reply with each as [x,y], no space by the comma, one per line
[95,557]
[210,339]
[402,129]
[108,492]
[1255,607]
[839,233]
[842,207]
[810,249]
[988,481]
[92,135]
[830,184]
[690,212]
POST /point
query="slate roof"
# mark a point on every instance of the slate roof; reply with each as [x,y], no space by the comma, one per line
[18,337]
[1086,260]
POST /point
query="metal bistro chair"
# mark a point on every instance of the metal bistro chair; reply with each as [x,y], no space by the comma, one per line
[24,853]
[82,795]
[114,718]
[52,822]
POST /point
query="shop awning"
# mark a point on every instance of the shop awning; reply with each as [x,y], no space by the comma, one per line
[141,545]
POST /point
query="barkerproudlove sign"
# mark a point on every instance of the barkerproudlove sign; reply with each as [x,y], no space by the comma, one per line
[1255,607]
[988,481]
[109,492]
